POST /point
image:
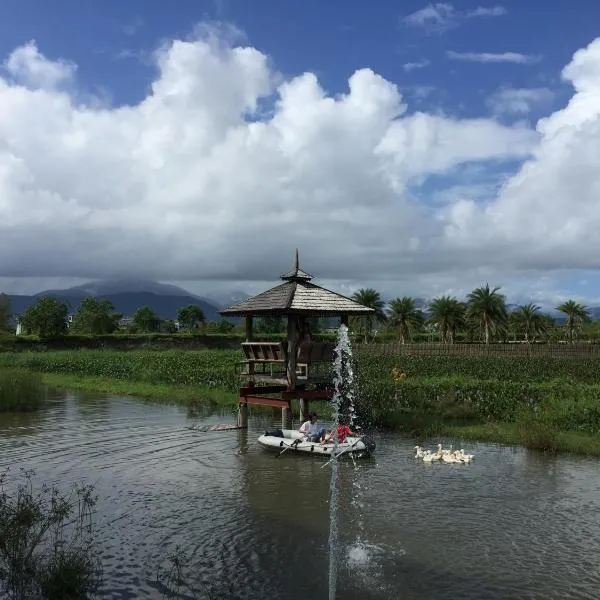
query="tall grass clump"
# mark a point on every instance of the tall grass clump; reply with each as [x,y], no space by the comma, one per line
[538,427]
[47,546]
[20,390]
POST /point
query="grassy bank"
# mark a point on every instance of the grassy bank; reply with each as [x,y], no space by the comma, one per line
[157,392]
[529,431]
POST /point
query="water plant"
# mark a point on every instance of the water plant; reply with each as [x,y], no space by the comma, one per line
[20,390]
[47,546]
[174,581]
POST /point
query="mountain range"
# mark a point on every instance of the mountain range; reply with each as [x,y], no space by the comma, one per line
[126,296]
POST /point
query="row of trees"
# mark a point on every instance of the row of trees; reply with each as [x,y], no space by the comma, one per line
[49,317]
[4,312]
[482,316]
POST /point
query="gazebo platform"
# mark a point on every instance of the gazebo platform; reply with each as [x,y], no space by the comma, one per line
[300,367]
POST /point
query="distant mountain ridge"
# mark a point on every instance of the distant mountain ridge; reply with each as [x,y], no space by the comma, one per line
[126,296]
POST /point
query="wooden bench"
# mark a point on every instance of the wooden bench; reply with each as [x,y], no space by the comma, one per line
[267,354]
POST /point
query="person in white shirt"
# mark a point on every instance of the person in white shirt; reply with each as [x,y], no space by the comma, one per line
[313,432]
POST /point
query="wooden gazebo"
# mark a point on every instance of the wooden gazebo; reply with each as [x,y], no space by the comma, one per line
[275,373]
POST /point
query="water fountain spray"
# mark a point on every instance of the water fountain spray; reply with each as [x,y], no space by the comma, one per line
[343,402]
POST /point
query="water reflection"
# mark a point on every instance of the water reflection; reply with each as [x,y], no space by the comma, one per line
[512,524]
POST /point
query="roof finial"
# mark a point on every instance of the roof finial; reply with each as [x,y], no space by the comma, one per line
[296,274]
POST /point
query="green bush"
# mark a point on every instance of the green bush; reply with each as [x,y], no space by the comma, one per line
[20,390]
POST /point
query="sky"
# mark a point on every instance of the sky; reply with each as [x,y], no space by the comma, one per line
[420,149]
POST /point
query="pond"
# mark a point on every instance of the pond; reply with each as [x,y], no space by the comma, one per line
[512,524]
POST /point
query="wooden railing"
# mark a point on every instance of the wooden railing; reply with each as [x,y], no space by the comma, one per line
[271,358]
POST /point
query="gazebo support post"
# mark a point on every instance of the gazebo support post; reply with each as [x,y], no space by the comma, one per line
[242,417]
[292,351]
[303,409]
[303,402]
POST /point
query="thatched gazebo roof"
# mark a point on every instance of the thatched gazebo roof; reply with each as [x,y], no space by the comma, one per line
[297,296]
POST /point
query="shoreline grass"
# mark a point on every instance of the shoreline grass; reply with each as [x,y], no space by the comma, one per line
[541,435]
[157,392]
[417,425]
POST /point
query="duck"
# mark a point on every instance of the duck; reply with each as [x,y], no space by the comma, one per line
[445,455]
[419,452]
[465,457]
[429,457]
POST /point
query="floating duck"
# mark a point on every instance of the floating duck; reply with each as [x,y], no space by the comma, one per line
[450,455]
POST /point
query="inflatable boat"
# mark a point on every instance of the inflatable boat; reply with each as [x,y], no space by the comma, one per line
[291,440]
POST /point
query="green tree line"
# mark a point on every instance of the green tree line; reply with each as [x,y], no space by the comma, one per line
[49,318]
[482,316]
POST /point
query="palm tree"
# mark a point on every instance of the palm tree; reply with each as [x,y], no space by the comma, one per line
[577,315]
[513,324]
[448,314]
[489,308]
[404,314]
[530,320]
[370,298]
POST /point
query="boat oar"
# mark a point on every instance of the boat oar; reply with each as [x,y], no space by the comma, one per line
[336,456]
[288,446]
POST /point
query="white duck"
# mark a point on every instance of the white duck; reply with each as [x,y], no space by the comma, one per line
[419,452]
[464,457]
[429,457]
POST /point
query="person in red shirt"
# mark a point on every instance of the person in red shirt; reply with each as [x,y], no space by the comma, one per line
[342,431]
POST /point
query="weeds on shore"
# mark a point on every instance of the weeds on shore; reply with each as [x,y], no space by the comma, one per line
[47,542]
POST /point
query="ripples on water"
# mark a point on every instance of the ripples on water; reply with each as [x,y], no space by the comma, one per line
[513,524]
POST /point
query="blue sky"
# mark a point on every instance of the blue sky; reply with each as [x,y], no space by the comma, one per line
[499,62]
[331,39]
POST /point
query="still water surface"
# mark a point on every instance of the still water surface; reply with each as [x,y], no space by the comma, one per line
[513,524]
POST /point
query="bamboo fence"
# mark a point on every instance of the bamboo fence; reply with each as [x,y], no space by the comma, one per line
[516,350]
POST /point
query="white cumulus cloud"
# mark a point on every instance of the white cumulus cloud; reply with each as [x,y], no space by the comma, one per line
[193,182]
[547,215]
[226,166]
[28,67]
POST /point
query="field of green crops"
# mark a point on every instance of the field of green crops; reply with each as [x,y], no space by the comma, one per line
[515,369]
[565,392]
[209,369]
